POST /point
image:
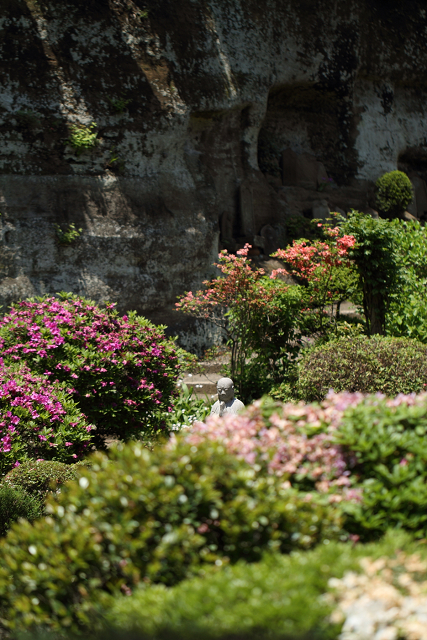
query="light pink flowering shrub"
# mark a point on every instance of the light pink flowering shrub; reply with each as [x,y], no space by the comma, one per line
[295,442]
[38,420]
[121,370]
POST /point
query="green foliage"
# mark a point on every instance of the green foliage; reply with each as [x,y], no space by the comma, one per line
[159,517]
[15,503]
[377,264]
[393,193]
[271,339]
[260,318]
[387,441]
[187,408]
[407,313]
[369,365]
[40,476]
[69,235]
[281,597]
[83,137]
[119,104]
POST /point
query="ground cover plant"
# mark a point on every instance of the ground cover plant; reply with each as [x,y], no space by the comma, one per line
[39,420]
[120,370]
[148,516]
[369,365]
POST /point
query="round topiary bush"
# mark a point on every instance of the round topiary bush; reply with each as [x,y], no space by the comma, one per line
[140,516]
[393,193]
[121,370]
[38,420]
[370,365]
[40,476]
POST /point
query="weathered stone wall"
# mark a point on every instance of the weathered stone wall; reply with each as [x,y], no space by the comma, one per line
[195,102]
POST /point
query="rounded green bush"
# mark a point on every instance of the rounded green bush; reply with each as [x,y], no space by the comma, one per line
[393,193]
[143,516]
[16,503]
[368,365]
[40,476]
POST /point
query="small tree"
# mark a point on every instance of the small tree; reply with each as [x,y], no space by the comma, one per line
[325,268]
[374,255]
[259,317]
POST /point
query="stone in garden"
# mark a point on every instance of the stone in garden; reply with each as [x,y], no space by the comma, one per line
[320,210]
[226,402]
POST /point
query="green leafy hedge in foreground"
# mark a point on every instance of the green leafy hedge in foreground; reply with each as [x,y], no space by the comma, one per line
[159,517]
[280,598]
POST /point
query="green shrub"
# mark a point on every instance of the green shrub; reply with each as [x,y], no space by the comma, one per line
[369,365]
[40,476]
[387,443]
[16,503]
[393,193]
[280,597]
[159,517]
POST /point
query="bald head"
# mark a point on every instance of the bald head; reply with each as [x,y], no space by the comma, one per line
[225,388]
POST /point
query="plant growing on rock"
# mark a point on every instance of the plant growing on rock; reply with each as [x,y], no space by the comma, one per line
[38,420]
[120,370]
[68,236]
[83,137]
[393,193]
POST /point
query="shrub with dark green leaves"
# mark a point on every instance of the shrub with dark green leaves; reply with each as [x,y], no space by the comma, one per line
[40,476]
[386,441]
[153,517]
[16,503]
[393,193]
[369,365]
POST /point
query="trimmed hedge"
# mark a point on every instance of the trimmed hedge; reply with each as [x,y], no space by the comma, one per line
[368,365]
[15,503]
[40,476]
[393,193]
[148,516]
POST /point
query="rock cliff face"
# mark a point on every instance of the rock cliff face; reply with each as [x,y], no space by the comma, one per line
[215,120]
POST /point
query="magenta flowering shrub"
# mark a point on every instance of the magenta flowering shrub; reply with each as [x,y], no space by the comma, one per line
[121,370]
[38,420]
[295,442]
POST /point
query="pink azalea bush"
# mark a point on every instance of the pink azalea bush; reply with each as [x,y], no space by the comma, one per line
[38,420]
[121,370]
[295,442]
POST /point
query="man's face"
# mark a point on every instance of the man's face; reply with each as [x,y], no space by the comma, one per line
[225,390]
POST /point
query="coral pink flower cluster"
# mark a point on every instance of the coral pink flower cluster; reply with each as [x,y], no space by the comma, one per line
[241,286]
[308,261]
[38,419]
[295,442]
